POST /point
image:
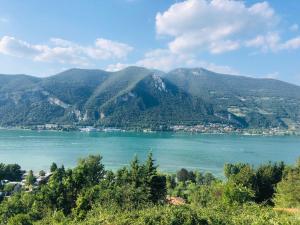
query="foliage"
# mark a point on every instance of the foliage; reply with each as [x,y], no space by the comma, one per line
[11,172]
[288,189]
[261,180]
[30,178]
[53,167]
[183,175]
[137,194]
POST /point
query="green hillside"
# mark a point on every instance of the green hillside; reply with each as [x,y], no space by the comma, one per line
[137,97]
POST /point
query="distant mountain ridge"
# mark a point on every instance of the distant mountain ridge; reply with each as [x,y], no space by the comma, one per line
[137,97]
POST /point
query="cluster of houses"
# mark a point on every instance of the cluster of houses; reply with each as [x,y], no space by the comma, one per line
[15,186]
[204,128]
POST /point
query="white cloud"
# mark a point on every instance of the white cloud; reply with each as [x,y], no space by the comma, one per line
[14,47]
[223,46]
[161,59]
[64,51]
[273,75]
[166,60]
[116,67]
[272,42]
[107,49]
[293,43]
[216,26]
[268,42]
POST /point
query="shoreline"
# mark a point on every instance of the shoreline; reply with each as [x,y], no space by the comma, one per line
[239,132]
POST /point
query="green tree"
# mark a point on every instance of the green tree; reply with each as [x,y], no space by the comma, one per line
[237,193]
[136,172]
[192,176]
[246,176]
[199,178]
[205,195]
[54,193]
[156,183]
[288,191]
[89,171]
[20,219]
[170,182]
[208,178]
[11,172]
[267,176]
[182,175]
[158,188]
[30,178]
[53,167]
[2,171]
[233,169]
[150,168]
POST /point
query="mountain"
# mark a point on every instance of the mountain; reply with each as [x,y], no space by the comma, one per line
[137,97]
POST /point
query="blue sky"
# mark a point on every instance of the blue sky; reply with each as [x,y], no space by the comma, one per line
[253,38]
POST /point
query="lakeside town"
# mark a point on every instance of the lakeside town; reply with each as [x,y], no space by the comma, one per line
[210,128]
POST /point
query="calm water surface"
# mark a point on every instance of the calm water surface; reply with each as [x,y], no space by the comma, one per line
[36,150]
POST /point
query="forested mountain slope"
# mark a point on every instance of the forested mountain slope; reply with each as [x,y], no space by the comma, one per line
[137,97]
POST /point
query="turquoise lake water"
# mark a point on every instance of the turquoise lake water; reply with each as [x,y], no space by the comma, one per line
[172,151]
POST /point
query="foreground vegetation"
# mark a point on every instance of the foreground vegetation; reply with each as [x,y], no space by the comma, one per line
[139,194]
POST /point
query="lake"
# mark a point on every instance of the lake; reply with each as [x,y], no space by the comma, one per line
[172,151]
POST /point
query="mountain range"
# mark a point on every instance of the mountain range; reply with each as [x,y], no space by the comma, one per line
[137,97]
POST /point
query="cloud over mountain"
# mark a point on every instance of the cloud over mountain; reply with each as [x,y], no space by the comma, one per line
[64,51]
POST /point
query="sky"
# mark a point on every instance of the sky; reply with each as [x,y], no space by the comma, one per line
[252,38]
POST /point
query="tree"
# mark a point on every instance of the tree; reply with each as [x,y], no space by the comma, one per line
[287,191]
[58,194]
[53,167]
[150,168]
[267,176]
[245,176]
[20,219]
[205,195]
[2,171]
[122,176]
[192,176]
[208,178]
[237,193]
[233,169]
[156,183]
[182,175]
[170,183]
[199,178]
[135,172]
[180,190]
[86,200]
[30,178]
[11,172]
[158,188]
[89,171]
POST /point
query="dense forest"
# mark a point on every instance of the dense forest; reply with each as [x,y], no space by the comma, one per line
[140,194]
